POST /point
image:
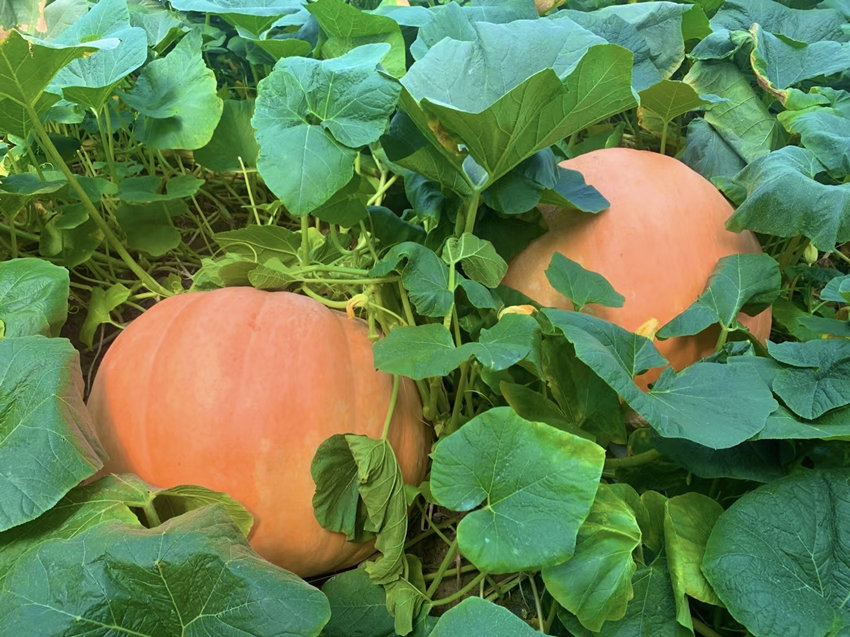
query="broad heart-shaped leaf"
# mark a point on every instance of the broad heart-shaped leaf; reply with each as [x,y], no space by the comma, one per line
[688,520]
[347,27]
[232,140]
[742,119]
[110,498]
[360,492]
[477,616]
[652,31]
[780,190]
[478,257]
[571,191]
[505,112]
[47,444]
[149,227]
[310,118]
[682,405]
[797,24]
[26,68]
[146,189]
[595,584]
[579,285]
[780,64]
[748,282]
[814,377]
[424,276]
[534,480]
[33,297]
[89,81]
[786,542]
[195,574]
[176,99]
[157,21]
[708,153]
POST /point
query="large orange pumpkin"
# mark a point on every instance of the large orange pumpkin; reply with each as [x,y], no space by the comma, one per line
[656,244]
[234,390]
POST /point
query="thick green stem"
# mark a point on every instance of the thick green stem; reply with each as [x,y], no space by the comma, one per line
[636,460]
[721,339]
[444,566]
[461,591]
[702,629]
[391,407]
[149,282]
[664,137]
[151,516]
[304,252]
[471,211]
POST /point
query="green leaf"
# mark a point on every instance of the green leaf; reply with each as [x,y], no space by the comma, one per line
[508,342]
[368,502]
[194,574]
[112,497]
[261,243]
[146,189]
[176,99]
[748,282]
[668,99]
[780,190]
[571,191]
[101,303]
[534,481]
[708,153]
[780,63]
[89,81]
[522,187]
[742,119]
[824,129]
[478,257]
[407,602]
[798,24]
[758,460]
[586,400]
[785,542]
[837,290]
[688,520]
[346,28]
[477,616]
[358,607]
[255,16]
[595,584]
[311,117]
[158,22]
[47,444]
[419,351]
[682,405]
[783,424]
[232,140]
[652,31]
[33,297]
[149,227]
[579,285]
[424,276]
[498,112]
[26,67]
[22,14]
[813,379]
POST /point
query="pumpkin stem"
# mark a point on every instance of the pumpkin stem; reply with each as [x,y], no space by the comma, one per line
[391,407]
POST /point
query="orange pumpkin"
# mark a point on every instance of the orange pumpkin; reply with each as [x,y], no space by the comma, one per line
[656,244]
[234,390]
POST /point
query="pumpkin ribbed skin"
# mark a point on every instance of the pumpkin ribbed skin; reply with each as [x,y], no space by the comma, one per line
[657,245]
[234,390]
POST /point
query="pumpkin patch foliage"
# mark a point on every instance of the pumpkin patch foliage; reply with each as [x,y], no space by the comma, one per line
[412,317]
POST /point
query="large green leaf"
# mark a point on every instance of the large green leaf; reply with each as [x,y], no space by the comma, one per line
[346,28]
[26,68]
[595,584]
[741,119]
[824,129]
[47,444]
[798,24]
[814,377]
[534,480]
[781,189]
[749,282]
[778,557]
[424,276]
[255,16]
[476,616]
[311,117]
[477,257]
[90,80]
[688,520]
[579,285]
[651,30]
[33,297]
[232,140]
[360,492]
[505,112]
[682,405]
[194,575]
[176,99]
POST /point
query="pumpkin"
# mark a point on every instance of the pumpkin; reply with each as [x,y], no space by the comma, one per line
[657,244]
[234,389]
